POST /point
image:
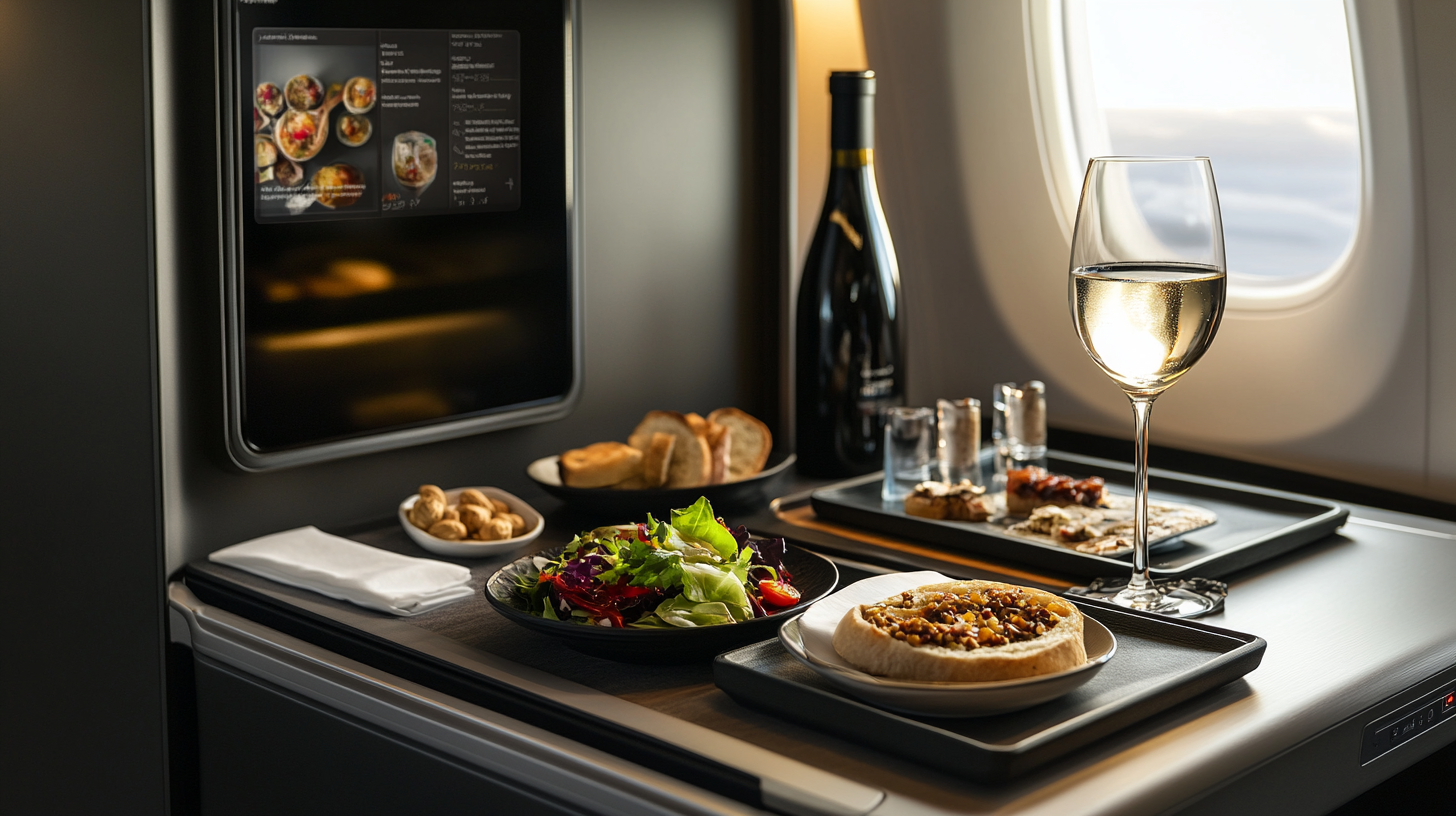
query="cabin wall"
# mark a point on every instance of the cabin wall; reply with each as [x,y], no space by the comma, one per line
[82,684]
[671,266]
[1357,385]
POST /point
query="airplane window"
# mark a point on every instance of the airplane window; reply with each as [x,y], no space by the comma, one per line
[1263,87]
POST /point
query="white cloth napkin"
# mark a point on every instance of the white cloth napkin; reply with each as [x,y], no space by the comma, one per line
[309,558]
[817,625]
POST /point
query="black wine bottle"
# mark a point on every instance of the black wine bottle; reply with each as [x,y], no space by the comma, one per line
[849,346]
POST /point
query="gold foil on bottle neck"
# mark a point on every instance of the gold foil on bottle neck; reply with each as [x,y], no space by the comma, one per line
[863,157]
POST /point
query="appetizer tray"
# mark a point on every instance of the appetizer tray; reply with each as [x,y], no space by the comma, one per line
[1159,663]
[1254,524]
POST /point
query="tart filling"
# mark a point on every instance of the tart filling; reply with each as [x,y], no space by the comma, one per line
[966,620]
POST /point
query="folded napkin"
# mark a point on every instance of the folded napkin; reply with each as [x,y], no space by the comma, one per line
[339,568]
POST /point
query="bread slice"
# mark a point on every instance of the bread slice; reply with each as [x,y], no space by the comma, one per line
[657,460]
[876,651]
[749,442]
[690,465]
[718,446]
[600,465]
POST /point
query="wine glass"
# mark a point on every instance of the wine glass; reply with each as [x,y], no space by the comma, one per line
[1146,289]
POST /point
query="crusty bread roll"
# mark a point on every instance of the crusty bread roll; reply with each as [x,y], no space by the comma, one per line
[600,465]
[657,459]
[749,442]
[690,465]
[876,650]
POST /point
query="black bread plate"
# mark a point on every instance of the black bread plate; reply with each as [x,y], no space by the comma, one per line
[814,576]
[607,501]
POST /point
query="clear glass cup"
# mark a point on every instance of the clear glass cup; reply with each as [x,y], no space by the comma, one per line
[958,440]
[1146,287]
[909,438]
[1000,397]
[1026,427]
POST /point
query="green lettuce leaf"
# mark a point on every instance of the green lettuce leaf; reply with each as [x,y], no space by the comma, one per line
[707,583]
[680,611]
[698,524]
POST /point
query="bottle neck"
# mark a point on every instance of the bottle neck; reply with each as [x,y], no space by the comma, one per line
[846,158]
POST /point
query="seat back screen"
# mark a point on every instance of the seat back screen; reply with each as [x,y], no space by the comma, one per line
[399,237]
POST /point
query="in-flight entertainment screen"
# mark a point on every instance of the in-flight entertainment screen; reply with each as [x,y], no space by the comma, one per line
[400,236]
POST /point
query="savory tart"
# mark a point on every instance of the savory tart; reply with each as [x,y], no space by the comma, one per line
[962,501]
[963,631]
[1032,487]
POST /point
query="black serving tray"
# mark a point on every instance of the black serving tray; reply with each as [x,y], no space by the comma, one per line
[1160,662]
[1254,524]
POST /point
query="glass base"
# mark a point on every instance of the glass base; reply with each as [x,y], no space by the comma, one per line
[1174,603]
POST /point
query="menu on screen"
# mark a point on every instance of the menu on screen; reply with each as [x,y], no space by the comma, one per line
[379,123]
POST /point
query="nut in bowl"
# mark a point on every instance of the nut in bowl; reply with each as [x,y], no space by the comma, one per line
[468,522]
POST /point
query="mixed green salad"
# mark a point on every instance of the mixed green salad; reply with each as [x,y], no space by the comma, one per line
[692,570]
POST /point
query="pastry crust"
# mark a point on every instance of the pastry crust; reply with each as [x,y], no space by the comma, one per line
[876,651]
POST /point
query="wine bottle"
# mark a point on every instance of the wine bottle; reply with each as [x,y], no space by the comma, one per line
[849,338]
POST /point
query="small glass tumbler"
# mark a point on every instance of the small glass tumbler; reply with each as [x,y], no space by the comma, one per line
[958,429]
[1000,397]
[1026,428]
[909,435]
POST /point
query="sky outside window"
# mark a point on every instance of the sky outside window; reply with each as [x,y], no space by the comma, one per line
[1265,89]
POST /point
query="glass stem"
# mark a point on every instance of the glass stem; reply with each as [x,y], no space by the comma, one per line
[1141,582]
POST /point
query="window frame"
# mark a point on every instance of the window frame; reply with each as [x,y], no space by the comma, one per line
[1070,125]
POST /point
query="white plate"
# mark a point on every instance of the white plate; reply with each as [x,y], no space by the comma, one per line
[809,638]
[474,549]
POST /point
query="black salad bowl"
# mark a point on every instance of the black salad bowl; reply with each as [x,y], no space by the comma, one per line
[814,576]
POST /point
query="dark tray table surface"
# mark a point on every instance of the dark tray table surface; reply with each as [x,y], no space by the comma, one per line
[1310,679]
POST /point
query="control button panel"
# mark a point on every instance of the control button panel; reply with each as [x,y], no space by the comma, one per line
[1393,730]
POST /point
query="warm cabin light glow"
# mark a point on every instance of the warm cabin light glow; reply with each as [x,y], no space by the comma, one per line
[827,37]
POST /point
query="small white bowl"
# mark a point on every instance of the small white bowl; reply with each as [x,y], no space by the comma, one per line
[474,549]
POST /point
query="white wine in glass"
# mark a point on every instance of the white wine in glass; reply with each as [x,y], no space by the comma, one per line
[1147,293]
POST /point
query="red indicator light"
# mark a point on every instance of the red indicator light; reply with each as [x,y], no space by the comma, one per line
[1450,698]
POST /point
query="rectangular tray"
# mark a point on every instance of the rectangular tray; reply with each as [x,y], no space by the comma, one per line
[1254,524]
[1159,663]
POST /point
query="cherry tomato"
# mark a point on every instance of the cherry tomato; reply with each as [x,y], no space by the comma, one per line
[778,593]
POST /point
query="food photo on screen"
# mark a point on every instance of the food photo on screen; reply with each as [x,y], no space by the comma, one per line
[314,116]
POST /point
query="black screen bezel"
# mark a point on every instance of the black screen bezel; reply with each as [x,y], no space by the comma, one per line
[546,215]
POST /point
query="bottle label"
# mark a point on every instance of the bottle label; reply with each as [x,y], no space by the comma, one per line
[876,383]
